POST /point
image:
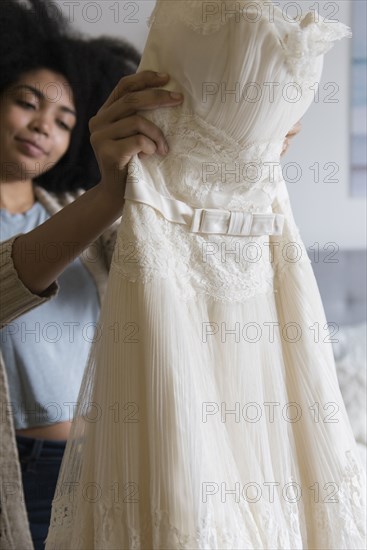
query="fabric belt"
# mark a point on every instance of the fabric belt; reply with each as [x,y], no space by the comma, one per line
[204,220]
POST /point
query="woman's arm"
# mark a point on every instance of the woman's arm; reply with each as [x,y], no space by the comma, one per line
[69,232]
[16,298]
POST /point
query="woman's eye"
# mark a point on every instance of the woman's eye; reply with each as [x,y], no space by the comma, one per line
[26,104]
[63,125]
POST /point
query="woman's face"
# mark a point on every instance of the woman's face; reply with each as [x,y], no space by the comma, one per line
[37,116]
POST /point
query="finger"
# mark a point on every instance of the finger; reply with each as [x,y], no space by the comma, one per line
[116,154]
[285,146]
[131,126]
[134,83]
[144,100]
[127,148]
[142,156]
[294,130]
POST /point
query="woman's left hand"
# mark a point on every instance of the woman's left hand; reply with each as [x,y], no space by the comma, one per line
[292,132]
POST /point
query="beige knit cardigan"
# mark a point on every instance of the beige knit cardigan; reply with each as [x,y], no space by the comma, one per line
[16,299]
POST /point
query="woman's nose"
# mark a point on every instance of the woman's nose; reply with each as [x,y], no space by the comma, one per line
[41,124]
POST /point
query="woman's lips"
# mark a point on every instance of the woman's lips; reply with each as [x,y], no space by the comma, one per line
[30,149]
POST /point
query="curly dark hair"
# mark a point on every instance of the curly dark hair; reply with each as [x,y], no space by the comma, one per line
[36,36]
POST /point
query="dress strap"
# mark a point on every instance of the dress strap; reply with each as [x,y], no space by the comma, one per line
[204,220]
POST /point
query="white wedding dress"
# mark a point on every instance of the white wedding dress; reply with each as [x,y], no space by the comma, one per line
[210,415]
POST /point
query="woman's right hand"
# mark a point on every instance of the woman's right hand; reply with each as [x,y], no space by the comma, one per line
[118,132]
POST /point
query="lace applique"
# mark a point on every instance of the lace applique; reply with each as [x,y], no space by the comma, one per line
[229,169]
[313,36]
[350,506]
[209,532]
[337,522]
[229,269]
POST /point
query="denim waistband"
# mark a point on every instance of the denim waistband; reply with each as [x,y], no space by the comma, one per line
[31,449]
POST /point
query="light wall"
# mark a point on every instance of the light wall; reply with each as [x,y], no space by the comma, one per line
[325,212]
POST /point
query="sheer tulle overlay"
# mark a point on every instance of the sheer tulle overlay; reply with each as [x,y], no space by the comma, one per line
[210,415]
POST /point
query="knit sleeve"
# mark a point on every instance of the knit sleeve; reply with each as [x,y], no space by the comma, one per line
[15,297]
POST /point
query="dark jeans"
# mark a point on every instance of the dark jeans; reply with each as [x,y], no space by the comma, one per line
[40,463]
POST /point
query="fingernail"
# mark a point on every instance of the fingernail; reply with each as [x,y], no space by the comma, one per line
[175,95]
[162,75]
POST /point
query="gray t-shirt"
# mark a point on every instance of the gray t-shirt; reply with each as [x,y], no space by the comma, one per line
[46,350]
